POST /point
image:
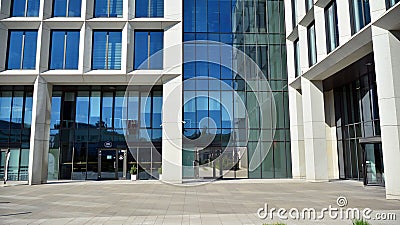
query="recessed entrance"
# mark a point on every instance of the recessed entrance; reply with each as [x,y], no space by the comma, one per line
[112,164]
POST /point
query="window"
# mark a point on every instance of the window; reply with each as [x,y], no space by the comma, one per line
[108,8]
[21,50]
[149,8]
[147,44]
[390,3]
[360,14]
[296,58]
[106,50]
[25,8]
[67,8]
[332,36]
[294,13]
[309,5]
[64,49]
[312,48]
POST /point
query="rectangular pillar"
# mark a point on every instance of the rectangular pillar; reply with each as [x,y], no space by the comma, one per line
[331,139]
[297,134]
[40,129]
[386,47]
[314,130]
[172,131]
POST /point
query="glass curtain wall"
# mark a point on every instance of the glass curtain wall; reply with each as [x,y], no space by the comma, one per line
[332,36]
[297,67]
[357,116]
[83,118]
[15,129]
[360,14]
[258,29]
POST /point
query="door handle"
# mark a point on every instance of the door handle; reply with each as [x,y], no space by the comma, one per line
[115,165]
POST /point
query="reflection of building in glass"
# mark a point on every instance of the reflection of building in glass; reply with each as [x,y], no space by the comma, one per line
[257,29]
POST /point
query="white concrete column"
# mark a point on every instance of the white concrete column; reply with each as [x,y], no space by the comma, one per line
[297,134]
[331,139]
[320,33]
[40,129]
[172,131]
[386,47]
[343,17]
[314,130]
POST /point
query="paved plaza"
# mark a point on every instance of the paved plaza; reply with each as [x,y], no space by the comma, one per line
[153,202]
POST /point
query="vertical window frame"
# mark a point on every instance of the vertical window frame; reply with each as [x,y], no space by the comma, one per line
[21,67]
[107,65]
[65,55]
[149,66]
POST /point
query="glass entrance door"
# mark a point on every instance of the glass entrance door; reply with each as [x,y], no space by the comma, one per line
[12,167]
[373,164]
[108,164]
[3,158]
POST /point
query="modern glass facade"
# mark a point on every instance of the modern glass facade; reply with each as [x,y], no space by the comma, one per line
[15,124]
[21,49]
[87,121]
[258,29]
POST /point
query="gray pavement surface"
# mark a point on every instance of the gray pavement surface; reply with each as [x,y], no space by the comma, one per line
[153,202]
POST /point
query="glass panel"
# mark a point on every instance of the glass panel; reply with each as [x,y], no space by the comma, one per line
[118,108]
[55,110]
[57,52]
[28,109]
[17,108]
[101,8]
[13,164]
[53,166]
[157,109]
[29,60]
[74,8]
[157,8]
[145,111]
[72,50]
[107,109]
[99,50]
[94,116]
[33,8]
[82,109]
[15,50]
[312,51]
[2,163]
[142,8]
[156,53]
[115,7]
[60,8]
[5,106]
[18,8]
[141,50]
[114,50]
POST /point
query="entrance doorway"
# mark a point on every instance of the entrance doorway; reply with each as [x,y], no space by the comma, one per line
[374,173]
[112,164]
